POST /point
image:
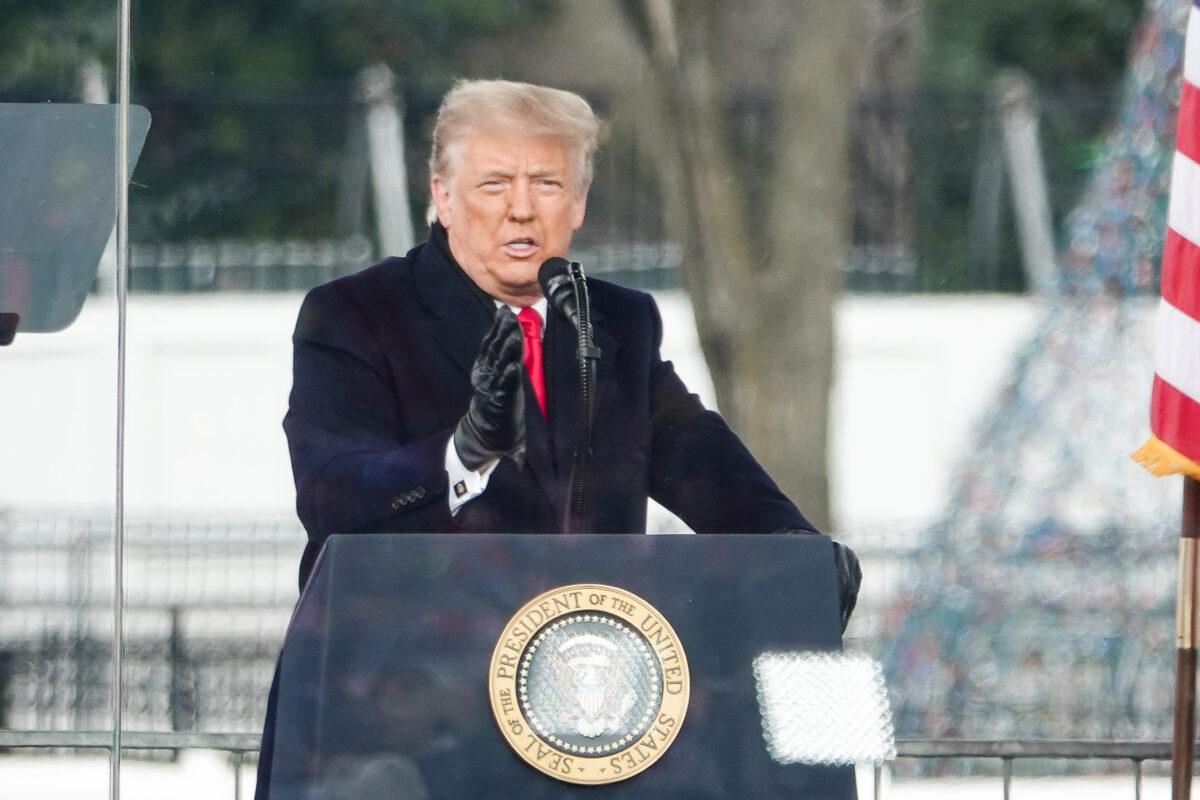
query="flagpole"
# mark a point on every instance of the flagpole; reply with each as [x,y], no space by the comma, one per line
[1185,644]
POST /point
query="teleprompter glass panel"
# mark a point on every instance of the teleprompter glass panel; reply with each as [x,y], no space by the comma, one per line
[57,189]
[58,362]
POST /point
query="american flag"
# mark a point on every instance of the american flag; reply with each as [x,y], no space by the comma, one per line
[1174,446]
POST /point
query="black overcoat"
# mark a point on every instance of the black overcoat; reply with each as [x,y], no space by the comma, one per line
[381,377]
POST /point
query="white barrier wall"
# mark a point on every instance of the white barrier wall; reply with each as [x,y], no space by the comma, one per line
[208,377]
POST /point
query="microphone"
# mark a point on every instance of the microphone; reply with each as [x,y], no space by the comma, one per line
[566,290]
[554,276]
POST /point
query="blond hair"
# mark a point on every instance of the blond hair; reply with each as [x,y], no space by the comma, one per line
[474,105]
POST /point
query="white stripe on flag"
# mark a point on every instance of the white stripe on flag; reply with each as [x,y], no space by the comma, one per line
[1191,52]
[1177,350]
[1183,214]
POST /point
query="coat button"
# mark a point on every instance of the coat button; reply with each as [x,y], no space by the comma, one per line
[420,492]
[397,502]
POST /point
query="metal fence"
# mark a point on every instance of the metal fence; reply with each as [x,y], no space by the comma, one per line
[266,265]
[242,748]
[302,171]
[207,602]
[206,608]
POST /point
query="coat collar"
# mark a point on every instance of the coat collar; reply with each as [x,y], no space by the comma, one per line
[462,310]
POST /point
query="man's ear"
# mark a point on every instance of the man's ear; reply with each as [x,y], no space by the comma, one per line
[439,190]
[577,213]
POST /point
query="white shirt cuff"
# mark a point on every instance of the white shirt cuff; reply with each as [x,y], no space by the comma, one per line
[465,484]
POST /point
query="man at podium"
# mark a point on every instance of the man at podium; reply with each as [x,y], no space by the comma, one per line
[437,391]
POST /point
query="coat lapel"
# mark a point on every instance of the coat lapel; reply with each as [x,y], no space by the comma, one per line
[564,387]
[461,319]
[539,458]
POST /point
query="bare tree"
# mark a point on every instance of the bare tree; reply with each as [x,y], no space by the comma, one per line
[750,104]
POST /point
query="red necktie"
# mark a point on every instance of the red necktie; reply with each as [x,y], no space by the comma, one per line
[531,326]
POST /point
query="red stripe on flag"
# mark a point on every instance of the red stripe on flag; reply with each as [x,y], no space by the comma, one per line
[1181,274]
[1187,136]
[1175,418]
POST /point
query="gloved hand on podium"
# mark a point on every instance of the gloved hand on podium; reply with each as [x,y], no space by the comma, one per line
[849,577]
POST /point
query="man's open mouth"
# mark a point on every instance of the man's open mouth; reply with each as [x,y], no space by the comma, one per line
[520,247]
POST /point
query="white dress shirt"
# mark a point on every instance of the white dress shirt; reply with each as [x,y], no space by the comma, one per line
[467,484]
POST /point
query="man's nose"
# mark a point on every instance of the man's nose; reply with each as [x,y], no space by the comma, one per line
[520,208]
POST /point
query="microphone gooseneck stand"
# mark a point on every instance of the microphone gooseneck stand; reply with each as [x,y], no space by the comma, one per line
[587,357]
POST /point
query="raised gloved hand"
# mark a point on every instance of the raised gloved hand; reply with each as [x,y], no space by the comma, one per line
[494,424]
[849,577]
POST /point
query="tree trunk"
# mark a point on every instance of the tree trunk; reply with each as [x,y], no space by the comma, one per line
[763,218]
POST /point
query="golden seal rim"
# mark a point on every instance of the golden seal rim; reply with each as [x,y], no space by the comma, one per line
[503,670]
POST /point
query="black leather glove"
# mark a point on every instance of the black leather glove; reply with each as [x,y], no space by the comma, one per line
[494,424]
[849,577]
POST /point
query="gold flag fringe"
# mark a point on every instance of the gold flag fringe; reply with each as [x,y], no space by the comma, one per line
[1159,458]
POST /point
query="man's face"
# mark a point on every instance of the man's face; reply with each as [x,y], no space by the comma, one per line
[508,205]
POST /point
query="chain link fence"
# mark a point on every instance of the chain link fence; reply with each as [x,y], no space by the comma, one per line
[208,602]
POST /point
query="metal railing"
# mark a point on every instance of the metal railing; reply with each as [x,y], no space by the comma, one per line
[1007,751]
[238,745]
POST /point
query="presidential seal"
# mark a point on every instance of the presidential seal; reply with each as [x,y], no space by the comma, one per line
[588,683]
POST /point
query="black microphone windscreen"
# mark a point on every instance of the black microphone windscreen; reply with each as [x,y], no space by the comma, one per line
[552,268]
[554,276]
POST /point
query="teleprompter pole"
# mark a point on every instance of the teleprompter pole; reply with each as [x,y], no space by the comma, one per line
[1185,644]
